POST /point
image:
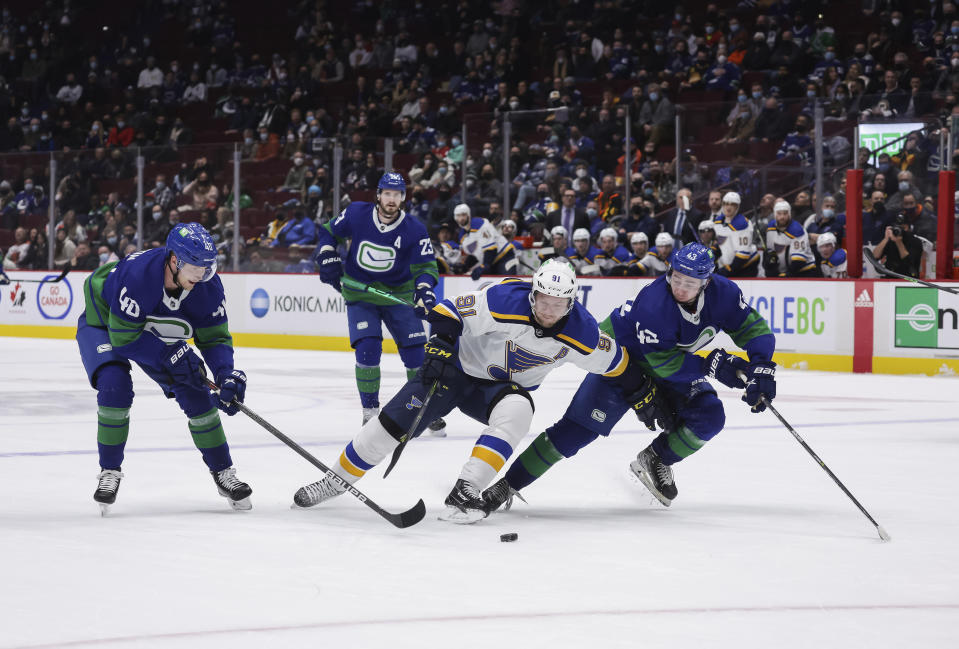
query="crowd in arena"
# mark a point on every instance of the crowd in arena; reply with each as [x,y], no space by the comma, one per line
[191,81]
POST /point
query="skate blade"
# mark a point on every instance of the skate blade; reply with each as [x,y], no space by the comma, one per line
[459,517]
[438,433]
[642,477]
[104,509]
[243,505]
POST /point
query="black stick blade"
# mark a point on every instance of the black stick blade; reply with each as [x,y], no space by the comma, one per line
[410,517]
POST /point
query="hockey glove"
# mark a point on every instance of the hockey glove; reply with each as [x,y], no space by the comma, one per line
[423,300]
[440,362]
[477,272]
[760,382]
[331,267]
[232,387]
[651,407]
[183,366]
[725,368]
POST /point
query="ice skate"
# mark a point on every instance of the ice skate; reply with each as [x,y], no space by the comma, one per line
[464,505]
[438,428]
[107,486]
[500,495]
[656,476]
[369,413]
[235,491]
[316,492]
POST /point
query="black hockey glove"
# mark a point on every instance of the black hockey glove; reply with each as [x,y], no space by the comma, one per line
[440,362]
[331,267]
[760,381]
[423,300]
[725,368]
[477,272]
[183,366]
[232,387]
[651,408]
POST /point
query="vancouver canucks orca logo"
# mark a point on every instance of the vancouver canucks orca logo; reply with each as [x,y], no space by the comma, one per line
[517,360]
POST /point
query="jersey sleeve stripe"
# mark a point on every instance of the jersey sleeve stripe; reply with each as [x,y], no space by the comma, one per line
[618,366]
[578,346]
[509,317]
[442,310]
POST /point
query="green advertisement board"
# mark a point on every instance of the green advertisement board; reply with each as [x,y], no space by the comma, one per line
[927,318]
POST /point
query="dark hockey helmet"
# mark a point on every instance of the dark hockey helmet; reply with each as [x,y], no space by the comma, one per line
[392,180]
[694,260]
[193,245]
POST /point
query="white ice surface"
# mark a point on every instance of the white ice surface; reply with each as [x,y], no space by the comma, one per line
[761,549]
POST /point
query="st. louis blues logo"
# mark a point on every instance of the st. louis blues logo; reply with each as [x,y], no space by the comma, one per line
[517,360]
[414,403]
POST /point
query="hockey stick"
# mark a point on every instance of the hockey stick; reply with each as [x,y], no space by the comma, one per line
[882,533]
[412,429]
[410,517]
[363,288]
[871,258]
[4,279]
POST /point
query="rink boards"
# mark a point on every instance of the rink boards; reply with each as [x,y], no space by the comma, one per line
[835,325]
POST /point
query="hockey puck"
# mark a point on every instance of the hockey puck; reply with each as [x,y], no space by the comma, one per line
[506,538]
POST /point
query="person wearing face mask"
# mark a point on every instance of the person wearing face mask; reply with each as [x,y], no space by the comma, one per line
[121,133]
[162,194]
[798,144]
[295,177]
[741,120]
[723,75]
[827,220]
[905,184]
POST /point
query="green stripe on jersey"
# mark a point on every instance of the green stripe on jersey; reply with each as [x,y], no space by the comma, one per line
[207,337]
[753,327]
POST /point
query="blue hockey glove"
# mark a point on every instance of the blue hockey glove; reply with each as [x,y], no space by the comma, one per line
[725,368]
[331,267]
[760,381]
[651,407]
[232,387]
[477,272]
[183,366]
[423,300]
[440,362]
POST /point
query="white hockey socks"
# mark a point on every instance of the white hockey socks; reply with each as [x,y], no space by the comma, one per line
[367,449]
[508,424]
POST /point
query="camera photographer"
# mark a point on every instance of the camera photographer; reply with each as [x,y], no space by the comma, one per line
[900,250]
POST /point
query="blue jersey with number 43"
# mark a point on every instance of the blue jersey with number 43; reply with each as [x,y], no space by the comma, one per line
[391,257]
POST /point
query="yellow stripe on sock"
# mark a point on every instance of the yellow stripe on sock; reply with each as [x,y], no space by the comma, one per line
[492,458]
[349,467]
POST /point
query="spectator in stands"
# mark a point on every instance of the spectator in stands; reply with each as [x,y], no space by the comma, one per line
[890,101]
[906,185]
[423,171]
[71,91]
[121,133]
[798,144]
[772,123]
[63,250]
[900,250]
[84,258]
[567,214]
[18,252]
[294,181]
[657,116]
[921,219]
[825,221]
[195,91]
[151,76]
[741,120]
[202,192]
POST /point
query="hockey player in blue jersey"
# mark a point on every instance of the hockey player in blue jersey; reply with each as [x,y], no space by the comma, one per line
[661,329]
[389,251]
[489,349]
[144,308]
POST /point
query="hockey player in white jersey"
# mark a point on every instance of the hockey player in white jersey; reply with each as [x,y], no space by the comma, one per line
[734,233]
[480,239]
[489,349]
[656,261]
[787,246]
[832,259]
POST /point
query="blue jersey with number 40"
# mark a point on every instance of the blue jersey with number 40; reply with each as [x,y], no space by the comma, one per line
[391,257]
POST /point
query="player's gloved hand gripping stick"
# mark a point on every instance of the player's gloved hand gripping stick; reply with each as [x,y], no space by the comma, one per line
[410,517]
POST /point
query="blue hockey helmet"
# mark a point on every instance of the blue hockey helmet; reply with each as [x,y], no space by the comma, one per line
[694,260]
[392,180]
[193,245]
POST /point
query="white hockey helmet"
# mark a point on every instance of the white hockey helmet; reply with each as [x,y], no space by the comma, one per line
[825,239]
[732,197]
[580,233]
[706,224]
[462,208]
[608,233]
[560,231]
[782,206]
[636,237]
[556,278]
[664,239]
